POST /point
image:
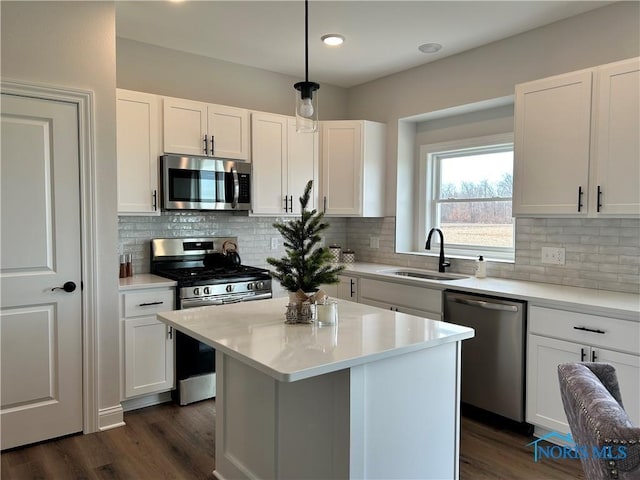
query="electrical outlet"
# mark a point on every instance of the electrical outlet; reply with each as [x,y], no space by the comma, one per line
[374,242]
[274,243]
[553,256]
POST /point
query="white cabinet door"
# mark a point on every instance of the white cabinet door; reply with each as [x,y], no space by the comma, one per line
[269,147]
[148,356]
[342,167]
[283,162]
[196,128]
[551,150]
[353,168]
[616,188]
[228,129]
[302,166]
[147,344]
[185,127]
[348,288]
[139,128]
[628,373]
[544,404]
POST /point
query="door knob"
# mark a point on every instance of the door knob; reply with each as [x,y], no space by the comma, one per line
[67,287]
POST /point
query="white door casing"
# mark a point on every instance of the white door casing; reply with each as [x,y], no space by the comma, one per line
[41,330]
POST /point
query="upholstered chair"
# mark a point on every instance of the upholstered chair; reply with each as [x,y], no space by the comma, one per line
[598,421]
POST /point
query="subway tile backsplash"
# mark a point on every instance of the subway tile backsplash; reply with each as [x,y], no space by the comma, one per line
[254,233]
[600,253]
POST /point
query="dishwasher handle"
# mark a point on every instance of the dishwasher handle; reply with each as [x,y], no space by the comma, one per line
[486,305]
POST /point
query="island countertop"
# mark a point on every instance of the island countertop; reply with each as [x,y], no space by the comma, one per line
[255,334]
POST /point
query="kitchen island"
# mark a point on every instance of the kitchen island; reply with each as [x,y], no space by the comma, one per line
[376,396]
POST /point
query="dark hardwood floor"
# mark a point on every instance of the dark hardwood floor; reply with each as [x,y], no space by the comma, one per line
[171,442]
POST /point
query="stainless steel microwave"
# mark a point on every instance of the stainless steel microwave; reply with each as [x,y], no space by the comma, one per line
[194,183]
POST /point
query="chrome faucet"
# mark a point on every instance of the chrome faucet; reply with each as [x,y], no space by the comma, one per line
[441,263]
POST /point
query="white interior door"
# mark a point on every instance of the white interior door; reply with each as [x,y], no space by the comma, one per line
[40,328]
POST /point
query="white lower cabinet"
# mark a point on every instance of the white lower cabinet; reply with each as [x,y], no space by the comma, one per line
[414,300]
[148,364]
[578,337]
[348,288]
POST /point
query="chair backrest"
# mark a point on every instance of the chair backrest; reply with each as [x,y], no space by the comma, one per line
[607,442]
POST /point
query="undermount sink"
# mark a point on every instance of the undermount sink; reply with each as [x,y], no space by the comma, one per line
[423,274]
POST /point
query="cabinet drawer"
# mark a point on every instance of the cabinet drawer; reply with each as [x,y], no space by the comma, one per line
[613,333]
[148,302]
[418,298]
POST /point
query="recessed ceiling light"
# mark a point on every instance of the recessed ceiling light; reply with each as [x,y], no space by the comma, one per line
[430,47]
[332,39]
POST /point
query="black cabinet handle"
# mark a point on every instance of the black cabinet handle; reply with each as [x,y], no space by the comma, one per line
[149,304]
[352,285]
[583,354]
[206,152]
[291,203]
[155,200]
[594,356]
[599,203]
[324,209]
[286,204]
[170,332]
[212,145]
[585,329]
[579,198]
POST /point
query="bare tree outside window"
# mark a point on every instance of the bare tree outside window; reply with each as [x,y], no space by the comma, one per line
[472,196]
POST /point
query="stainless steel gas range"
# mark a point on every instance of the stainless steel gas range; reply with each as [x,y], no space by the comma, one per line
[209,272]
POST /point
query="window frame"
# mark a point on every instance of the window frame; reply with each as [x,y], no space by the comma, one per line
[429,189]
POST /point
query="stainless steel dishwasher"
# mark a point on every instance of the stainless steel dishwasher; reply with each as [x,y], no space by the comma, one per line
[493,362]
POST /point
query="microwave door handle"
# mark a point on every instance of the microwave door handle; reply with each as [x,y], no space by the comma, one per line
[236,188]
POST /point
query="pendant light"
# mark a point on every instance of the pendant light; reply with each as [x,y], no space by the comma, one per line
[306,101]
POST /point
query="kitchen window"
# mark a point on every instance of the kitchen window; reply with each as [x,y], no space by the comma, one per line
[466,191]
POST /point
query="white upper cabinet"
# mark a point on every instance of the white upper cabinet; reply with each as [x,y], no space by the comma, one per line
[195,128]
[138,129]
[353,168]
[576,143]
[283,162]
[303,165]
[551,149]
[617,139]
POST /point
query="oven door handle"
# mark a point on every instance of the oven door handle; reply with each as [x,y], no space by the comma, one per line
[236,188]
[246,298]
[186,303]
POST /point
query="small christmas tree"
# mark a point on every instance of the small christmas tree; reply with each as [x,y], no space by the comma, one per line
[306,266]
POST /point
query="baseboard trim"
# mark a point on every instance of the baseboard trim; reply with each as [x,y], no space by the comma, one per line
[146,401]
[111,417]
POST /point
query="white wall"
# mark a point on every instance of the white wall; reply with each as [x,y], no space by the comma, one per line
[72,44]
[600,36]
[163,71]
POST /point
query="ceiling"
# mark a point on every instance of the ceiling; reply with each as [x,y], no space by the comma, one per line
[382,37]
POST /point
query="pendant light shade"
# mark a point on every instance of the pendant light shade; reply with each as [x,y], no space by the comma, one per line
[306,92]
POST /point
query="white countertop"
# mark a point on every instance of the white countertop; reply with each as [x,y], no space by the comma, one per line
[596,302]
[255,333]
[145,280]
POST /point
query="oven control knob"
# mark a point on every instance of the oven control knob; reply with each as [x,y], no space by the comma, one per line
[206,290]
[229,288]
[259,285]
[249,286]
[196,291]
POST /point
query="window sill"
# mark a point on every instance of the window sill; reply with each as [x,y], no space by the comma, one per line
[460,256]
